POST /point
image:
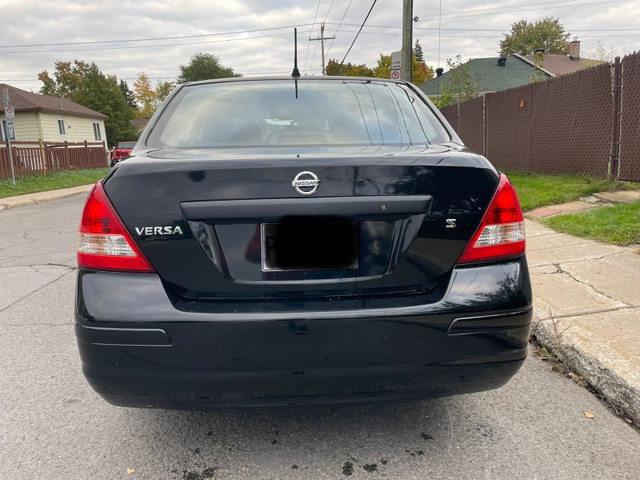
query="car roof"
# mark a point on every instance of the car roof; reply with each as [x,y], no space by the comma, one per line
[301,79]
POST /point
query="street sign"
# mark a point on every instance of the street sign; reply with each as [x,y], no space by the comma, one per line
[9,114]
[11,132]
[395,75]
[5,98]
[396,60]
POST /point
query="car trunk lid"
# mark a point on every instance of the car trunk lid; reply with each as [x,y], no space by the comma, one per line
[376,224]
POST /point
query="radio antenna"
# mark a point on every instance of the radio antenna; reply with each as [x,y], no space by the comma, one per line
[296,72]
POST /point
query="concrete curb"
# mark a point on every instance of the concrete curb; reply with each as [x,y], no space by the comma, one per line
[612,377]
[42,197]
[587,311]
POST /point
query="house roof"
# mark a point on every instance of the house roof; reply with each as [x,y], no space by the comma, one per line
[563,64]
[139,123]
[490,76]
[24,101]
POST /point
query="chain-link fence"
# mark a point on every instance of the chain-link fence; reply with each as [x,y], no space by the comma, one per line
[450,112]
[569,124]
[508,120]
[630,120]
[471,124]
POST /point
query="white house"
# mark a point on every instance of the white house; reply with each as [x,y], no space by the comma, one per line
[51,119]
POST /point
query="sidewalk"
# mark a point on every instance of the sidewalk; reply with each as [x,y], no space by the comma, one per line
[586,301]
[41,197]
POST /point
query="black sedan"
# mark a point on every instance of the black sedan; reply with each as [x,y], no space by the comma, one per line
[282,241]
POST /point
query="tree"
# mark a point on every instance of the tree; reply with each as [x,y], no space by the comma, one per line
[127,94]
[418,51]
[102,93]
[460,84]
[145,96]
[383,69]
[536,73]
[340,69]
[163,89]
[525,38]
[85,84]
[421,72]
[604,54]
[149,99]
[67,78]
[204,66]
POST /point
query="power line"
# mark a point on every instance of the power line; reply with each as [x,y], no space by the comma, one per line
[361,27]
[439,31]
[24,45]
[486,29]
[328,10]
[435,35]
[339,25]
[321,39]
[315,47]
[148,46]
[519,9]
[312,25]
[165,77]
[489,10]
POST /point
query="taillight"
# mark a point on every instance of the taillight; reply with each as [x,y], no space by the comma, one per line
[501,233]
[103,241]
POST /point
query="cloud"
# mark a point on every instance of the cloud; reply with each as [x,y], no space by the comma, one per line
[466,28]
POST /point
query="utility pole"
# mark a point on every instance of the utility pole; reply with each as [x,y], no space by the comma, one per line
[406,72]
[322,38]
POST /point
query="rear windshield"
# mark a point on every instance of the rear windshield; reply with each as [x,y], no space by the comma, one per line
[268,113]
[126,144]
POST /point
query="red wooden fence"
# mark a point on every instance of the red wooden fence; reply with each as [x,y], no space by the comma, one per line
[31,158]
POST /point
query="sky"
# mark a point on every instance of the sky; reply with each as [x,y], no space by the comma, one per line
[125,38]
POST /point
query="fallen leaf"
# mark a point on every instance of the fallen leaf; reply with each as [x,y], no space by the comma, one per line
[589,415]
[629,421]
[575,377]
[130,471]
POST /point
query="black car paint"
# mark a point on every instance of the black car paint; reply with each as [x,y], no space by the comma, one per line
[208,331]
[141,347]
[144,187]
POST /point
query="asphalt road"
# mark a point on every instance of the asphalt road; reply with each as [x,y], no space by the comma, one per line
[53,426]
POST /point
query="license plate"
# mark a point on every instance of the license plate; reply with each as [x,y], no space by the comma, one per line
[309,244]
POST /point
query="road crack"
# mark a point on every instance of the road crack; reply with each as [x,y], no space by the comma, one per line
[584,314]
[35,291]
[598,292]
[574,262]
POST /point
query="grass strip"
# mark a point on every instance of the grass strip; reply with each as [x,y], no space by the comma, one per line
[55,181]
[536,190]
[615,224]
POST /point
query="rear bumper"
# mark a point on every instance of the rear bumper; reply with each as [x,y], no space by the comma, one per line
[140,348]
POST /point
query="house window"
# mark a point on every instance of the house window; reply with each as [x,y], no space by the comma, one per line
[96,132]
[61,127]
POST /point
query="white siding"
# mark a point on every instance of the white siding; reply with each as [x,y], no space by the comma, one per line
[27,129]
[78,129]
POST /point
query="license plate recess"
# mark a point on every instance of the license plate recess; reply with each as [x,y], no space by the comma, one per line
[309,243]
